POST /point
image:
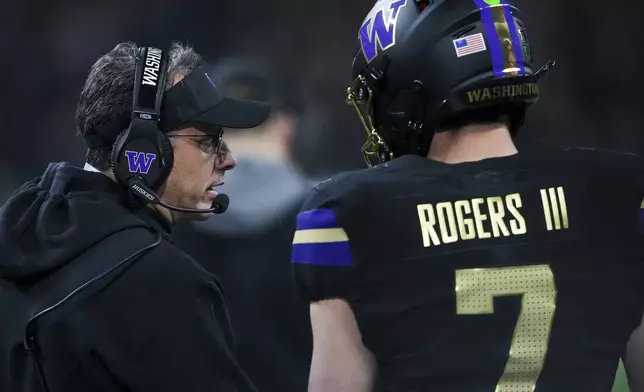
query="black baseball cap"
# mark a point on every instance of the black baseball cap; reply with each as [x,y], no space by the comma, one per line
[197,99]
[193,100]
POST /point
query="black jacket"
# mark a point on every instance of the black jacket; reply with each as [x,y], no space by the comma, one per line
[254,236]
[118,307]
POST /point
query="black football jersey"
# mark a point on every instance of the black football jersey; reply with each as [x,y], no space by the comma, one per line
[514,274]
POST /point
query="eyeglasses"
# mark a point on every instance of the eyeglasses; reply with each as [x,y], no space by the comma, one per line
[211,143]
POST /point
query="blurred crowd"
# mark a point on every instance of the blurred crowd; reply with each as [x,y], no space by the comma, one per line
[299,53]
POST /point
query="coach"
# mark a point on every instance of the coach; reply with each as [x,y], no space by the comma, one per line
[94,296]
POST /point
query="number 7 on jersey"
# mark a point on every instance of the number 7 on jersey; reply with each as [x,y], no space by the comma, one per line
[475,292]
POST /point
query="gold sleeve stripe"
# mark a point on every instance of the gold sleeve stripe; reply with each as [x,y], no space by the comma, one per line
[317,236]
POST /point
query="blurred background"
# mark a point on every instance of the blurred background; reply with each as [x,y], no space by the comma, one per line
[592,98]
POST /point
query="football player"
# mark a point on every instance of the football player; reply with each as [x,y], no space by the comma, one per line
[457,263]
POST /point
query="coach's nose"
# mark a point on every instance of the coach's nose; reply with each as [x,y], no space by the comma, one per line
[226,162]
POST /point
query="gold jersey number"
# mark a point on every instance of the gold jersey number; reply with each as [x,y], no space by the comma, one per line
[475,292]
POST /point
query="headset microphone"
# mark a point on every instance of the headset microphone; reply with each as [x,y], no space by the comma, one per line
[140,189]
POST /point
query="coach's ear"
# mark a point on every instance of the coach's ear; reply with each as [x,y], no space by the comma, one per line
[340,362]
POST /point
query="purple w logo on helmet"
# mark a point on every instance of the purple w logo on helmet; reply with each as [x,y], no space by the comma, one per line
[139,162]
[378,31]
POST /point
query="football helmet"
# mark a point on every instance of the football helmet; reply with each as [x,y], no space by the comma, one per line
[423,64]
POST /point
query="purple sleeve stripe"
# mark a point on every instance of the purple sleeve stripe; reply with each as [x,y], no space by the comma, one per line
[317,219]
[324,254]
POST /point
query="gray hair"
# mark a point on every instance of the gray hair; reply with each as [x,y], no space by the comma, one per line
[108,91]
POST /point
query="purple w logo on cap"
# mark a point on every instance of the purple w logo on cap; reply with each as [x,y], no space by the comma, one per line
[379,28]
[139,162]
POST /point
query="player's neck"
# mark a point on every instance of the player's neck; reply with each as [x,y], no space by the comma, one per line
[472,143]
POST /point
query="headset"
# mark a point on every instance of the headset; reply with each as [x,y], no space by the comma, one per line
[142,155]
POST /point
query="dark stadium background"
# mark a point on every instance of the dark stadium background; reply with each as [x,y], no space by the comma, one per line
[593,97]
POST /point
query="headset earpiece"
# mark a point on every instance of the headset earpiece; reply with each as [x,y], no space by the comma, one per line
[143,150]
[150,158]
[114,155]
